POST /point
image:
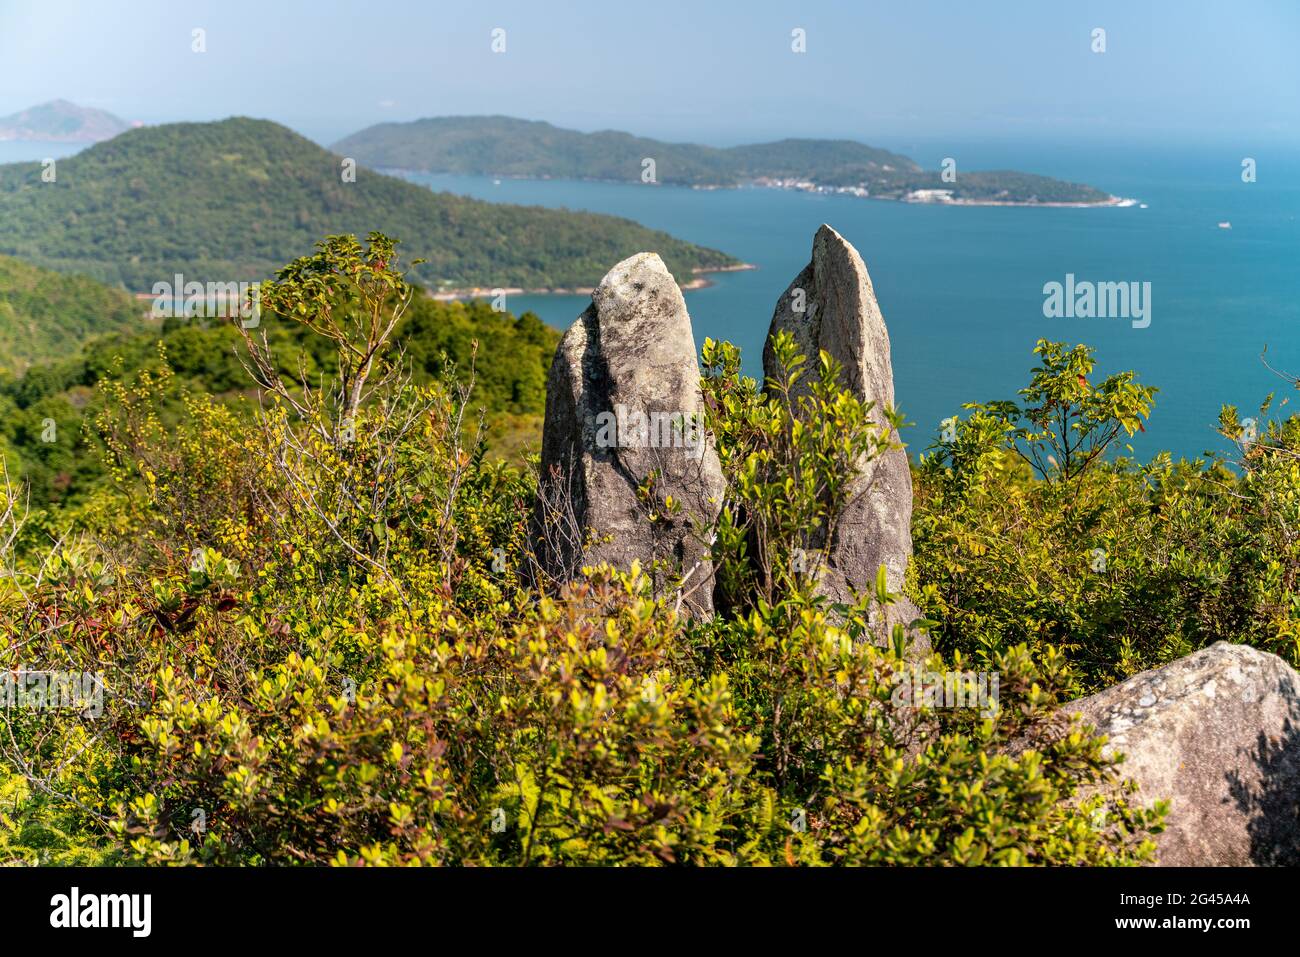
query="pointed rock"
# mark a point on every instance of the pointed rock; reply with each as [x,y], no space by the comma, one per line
[1218,734]
[832,307]
[623,405]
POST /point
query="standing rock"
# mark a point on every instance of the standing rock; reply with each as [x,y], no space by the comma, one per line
[623,405]
[1218,734]
[832,307]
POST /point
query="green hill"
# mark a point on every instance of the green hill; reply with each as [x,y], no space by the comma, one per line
[504,146]
[46,314]
[234,200]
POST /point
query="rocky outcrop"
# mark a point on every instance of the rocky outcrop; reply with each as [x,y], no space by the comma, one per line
[630,360]
[1218,734]
[831,306]
[623,409]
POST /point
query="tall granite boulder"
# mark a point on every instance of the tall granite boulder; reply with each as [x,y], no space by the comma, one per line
[831,306]
[623,405]
[1218,734]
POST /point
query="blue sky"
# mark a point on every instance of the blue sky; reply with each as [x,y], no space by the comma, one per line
[704,71]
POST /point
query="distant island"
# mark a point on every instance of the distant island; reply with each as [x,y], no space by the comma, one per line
[62,122]
[505,146]
[238,198]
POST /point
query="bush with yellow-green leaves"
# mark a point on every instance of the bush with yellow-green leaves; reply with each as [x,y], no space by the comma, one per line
[320,646]
[1026,532]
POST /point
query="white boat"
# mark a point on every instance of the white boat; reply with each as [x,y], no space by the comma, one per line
[1225,225]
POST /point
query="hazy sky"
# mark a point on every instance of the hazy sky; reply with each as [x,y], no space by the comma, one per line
[701,70]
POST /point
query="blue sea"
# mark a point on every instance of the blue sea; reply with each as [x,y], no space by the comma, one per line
[34,151]
[961,288]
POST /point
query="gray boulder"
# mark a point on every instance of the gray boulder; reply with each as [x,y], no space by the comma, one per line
[1218,734]
[623,405]
[831,306]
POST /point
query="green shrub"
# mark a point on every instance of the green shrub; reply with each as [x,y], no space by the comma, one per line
[1025,532]
[319,650]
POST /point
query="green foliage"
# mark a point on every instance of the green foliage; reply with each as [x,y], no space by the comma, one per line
[790,453]
[500,145]
[999,186]
[257,195]
[574,732]
[201,357]
[1025,532]
[1066,422]
[515,354]
[45,315]
[318,647]
[37,830]
[353,298]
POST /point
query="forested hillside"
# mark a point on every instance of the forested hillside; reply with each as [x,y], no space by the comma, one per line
[234,200]
[46,314]
[202,358]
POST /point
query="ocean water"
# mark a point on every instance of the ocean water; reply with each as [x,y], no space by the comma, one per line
[962,288]
[34,151]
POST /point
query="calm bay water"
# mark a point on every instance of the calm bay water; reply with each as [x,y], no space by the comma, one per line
[31,151]
[962,288]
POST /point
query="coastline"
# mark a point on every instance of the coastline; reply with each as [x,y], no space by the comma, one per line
[701,274]
[701,281]
[1110,202]
[800,186]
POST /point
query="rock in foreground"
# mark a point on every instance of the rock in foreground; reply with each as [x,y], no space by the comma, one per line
[623,406]
[831,306]
[1218,734]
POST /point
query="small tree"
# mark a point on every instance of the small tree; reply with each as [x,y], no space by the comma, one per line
[353,296]
[1066,423]
[370,457]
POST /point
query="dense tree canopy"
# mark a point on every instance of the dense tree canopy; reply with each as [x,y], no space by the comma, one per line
[232,201]
[45,314]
